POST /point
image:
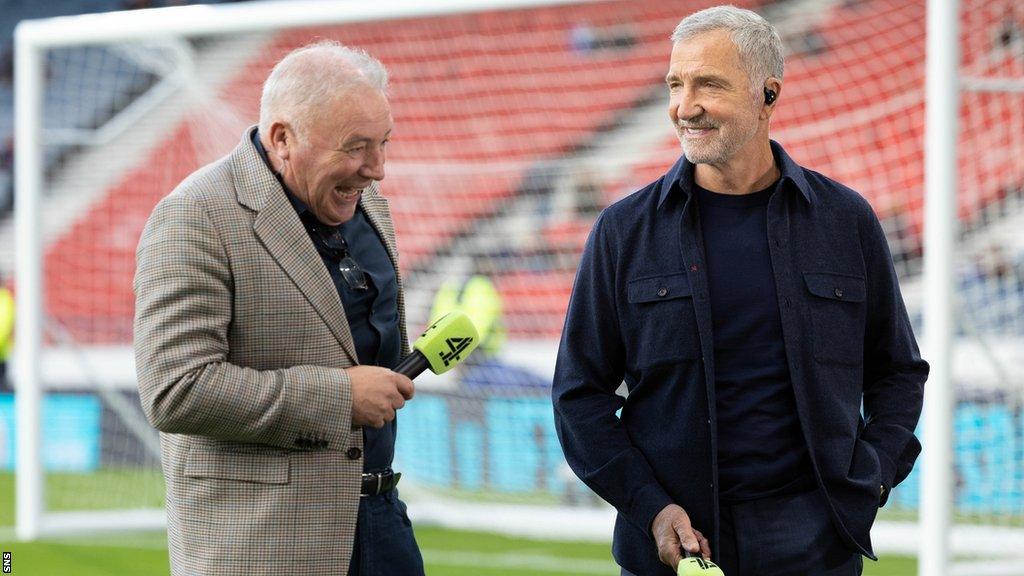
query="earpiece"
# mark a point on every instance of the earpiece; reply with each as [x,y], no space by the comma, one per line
[769,96]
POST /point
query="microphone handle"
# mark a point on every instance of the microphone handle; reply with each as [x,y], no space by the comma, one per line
[412,365]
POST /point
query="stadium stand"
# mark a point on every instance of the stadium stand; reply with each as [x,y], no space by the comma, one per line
[473,114]
[476,113]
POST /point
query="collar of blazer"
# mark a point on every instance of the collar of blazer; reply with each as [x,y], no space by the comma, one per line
[278,227]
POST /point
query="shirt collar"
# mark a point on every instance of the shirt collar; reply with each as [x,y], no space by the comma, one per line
[299,205]
[682,174]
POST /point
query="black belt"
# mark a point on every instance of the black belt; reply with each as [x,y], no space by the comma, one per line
[380,482]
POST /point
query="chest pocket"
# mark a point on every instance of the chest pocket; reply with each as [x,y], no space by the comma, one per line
[838,312]
[661,325]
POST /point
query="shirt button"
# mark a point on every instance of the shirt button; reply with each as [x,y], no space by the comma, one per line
[354,453]
[662,292]
[838,292]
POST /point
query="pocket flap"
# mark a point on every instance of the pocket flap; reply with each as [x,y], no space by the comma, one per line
[836,286]
[658,288]
[263,468]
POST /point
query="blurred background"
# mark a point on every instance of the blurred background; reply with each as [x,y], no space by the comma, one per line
[514,128]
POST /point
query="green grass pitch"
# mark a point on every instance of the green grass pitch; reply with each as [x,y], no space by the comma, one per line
[446,552]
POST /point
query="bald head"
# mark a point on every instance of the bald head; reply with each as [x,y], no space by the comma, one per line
[304,83]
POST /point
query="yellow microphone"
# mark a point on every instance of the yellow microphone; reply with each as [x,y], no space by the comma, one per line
[443,345]
[692,565]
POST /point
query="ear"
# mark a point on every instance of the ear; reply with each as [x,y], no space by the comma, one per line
[774,86]
[281,139]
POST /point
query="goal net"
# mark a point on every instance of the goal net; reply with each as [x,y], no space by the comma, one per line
[516,123]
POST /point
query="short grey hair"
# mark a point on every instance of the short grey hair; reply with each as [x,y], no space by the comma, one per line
[309,77]
[757,41]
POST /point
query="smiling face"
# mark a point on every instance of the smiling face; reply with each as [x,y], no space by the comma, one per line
[329,165]
[711,104]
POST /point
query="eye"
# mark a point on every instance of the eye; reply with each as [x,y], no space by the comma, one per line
[355,149]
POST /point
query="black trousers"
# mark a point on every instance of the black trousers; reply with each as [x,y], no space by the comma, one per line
[789,535]
[384,544]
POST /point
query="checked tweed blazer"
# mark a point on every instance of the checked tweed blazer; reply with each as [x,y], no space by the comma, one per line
[240,345]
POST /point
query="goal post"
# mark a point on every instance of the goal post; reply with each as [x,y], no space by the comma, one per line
[28,277]
[942,93]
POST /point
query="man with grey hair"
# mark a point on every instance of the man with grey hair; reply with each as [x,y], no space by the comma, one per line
[269,314]
[751,308]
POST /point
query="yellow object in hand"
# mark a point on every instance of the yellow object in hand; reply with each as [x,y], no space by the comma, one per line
[698,566]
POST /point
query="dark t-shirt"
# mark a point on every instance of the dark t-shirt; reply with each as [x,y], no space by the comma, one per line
[761,450]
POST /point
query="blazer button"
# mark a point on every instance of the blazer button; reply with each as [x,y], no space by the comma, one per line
[662,292]
[322,444]
[299,442]
[838,292]
[354,453]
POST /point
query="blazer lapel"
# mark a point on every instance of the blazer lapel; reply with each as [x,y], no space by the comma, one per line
[279,229]
[376,208]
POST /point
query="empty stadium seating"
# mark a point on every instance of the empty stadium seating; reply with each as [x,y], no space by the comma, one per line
[476,108]
[473,106]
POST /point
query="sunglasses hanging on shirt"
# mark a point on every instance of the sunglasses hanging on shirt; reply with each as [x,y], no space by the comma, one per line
[354,276]
[331,240]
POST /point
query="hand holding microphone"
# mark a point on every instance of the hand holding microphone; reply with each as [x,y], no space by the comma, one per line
[377,393]
[675,536]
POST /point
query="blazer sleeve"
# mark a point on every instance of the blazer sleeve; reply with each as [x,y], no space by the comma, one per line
[187,384]
[894,373]
[589,369]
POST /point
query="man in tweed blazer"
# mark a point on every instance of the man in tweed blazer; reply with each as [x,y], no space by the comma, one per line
[267,284]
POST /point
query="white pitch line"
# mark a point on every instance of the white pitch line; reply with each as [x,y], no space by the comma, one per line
[532,562]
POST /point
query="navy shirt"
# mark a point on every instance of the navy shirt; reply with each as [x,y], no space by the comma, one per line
[761,451]
[372,313]
[640,313]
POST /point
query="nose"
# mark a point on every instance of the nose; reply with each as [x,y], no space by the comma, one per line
[684,105]
[373,166]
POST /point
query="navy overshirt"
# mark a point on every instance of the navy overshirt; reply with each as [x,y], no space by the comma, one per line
[640,314]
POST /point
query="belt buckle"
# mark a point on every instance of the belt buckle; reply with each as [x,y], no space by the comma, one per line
[380,482]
